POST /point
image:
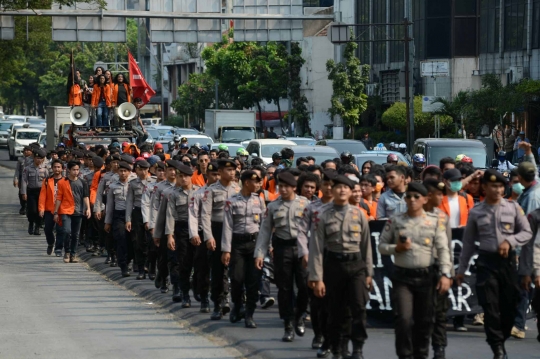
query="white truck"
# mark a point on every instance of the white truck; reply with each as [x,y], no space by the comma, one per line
[56,116]
[233,126]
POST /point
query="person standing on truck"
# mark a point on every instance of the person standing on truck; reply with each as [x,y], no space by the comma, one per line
[101,101]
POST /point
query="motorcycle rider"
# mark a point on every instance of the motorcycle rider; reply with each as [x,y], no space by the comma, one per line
[504,165]
[402,148]
[419,163]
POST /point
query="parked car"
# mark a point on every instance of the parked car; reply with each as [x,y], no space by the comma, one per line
[22,137]
[379,157]
[4,132]
[17,118]
[320,153]
[192,139]
[265,148]
[233,147]
[436,148]
[308,141]
[353,146]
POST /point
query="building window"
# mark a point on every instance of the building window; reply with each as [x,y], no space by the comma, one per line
[515,24]
[536,24]
[438,25]
[397,32]
[379,32]
[465,25]
[419,29]
[489,26]
[362,32]
[390,86]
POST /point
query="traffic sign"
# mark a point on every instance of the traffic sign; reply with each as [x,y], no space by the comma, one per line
[439,68]
[429,106]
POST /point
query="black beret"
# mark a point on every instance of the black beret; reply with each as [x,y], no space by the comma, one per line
[53,151]
[90,154]
[125,165]
[61,153]
[142,164]
[249,175]
[115,157]
[342,179]
[491,175]
[27,148]
[78,154]
[452,175]
[67,151]
[97,161]
[127,158]
[187,170]
[161,165]
[418,188]
[40,153]
[34,145]
[329,174]
[224,163]
[286,178]
[212,167]
[173,163]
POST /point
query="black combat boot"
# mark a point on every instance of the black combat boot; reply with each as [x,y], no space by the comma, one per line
[234,315]
[357,351]
[30,227]
[205,305]
[217,314]
[300,326]
[142,274]
[248,321]
[288,336]
[186,300]
[438,353]
[498,352]
[317,342]
[176,295]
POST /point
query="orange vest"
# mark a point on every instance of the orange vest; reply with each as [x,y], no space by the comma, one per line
[115,94]
[271,186]
[198,179]
[65,196]
[96,95]
[463,209]
[75,96]
[46,196]
[94,187]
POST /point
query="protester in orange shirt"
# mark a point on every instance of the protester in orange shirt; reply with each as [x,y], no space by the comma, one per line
[368,183]
[199,176]
[102,101]
[46,203]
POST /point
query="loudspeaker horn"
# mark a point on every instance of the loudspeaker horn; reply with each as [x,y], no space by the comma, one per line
[127,111]
[78,115]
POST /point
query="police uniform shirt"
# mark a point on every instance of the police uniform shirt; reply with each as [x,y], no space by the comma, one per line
[443,220]
[282,218]
[33,177]
[134,195]
[195,212]
[161,213]
[155,201]
[242,215]
[178,207]
[19,169]
[116,199]
[89,177]
[491,225]
[339,229]
[146,199]
[305,228]
[426,232]
[102,189]
[213,204]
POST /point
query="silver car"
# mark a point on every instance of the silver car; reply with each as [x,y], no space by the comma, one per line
[4,132]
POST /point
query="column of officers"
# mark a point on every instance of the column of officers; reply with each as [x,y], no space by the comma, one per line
[216,227]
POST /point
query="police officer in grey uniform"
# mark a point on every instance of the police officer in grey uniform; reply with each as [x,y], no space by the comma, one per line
[115,217]
[177,232]
[17,178]
[241,223]
[32,179]
[500,226]
[212,208]
[196,235]
[158,212]
[340,265]
[412,238]
[284,215]
[134,219]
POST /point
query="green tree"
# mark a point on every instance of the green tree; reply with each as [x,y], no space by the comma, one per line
[46,4]
[194,97]
[348,82]
[395,118]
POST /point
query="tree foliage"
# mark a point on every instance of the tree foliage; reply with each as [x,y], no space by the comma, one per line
[349,79]
[194,96]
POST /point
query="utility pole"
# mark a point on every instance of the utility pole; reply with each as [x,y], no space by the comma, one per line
[410,137]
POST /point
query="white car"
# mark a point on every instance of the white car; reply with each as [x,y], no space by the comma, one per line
[265,148]
[4,132]
[22,137]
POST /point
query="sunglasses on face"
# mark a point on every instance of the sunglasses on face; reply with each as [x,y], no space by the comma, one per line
[415,196]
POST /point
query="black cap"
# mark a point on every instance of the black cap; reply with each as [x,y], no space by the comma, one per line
[329,174]
[286,178]
[212,167]
[187,170]
[67,151]
[34,145]
[90,154]
[161,165]
[27,148]
[452,175]
[127,158]
[276,155]
[434,183]
[224,163]
[61,153]
[342,179]
[115,157]
[53,151]
[97,161]
[491,175]
[78,154]
[249,175]
[418,188]
[40,153]
[142,164]
[125,165]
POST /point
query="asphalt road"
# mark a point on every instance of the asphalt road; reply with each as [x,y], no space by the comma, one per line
[50,309]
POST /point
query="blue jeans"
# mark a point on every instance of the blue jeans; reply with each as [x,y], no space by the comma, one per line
[71,226]
[102,117]
[521,312]
[49,227]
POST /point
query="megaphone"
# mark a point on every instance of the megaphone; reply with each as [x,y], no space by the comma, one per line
[127,111]
[78,116]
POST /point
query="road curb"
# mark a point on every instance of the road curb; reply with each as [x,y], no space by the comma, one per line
[200,323]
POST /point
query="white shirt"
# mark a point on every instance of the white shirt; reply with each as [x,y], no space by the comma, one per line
[453,203]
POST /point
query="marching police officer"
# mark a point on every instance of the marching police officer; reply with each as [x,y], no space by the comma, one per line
[345,271]
[115,217]
[134,219]
[213,205]
[412,237]
[241,223]
[32,180]
[284,215]
[195,235]
[17,178]
[500,226]
[177,232]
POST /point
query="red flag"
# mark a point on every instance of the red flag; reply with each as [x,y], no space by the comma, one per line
[138,83]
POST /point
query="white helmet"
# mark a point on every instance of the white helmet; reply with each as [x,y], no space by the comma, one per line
[402,145]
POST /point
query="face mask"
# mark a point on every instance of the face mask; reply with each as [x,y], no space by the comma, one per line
[517,188]
[502,159]
[378,187]
[455,186]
